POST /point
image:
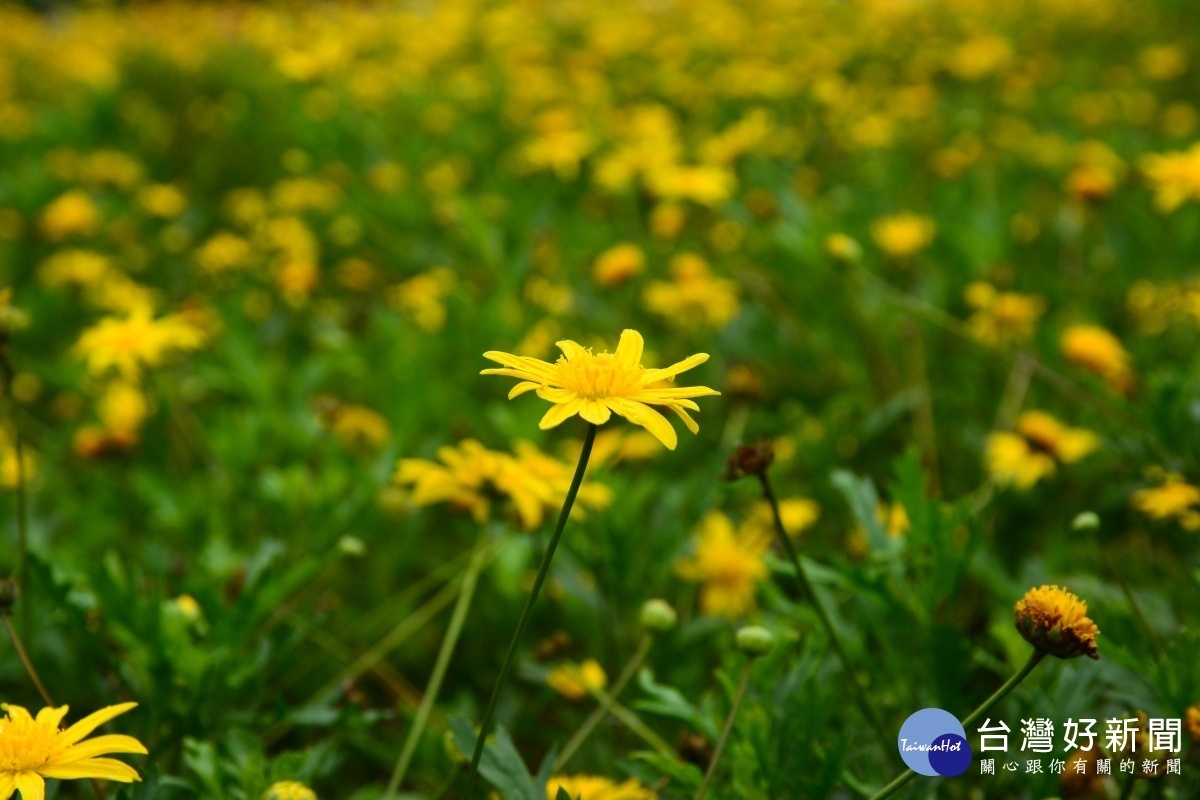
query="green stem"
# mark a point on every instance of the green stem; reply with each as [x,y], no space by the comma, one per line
[1127,790]
[807,588]
[25,662]
[606,701]
[543,569]
[635,724]
[457,618]
[733,712]
[997,696]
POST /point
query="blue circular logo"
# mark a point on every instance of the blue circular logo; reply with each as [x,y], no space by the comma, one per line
[932,742]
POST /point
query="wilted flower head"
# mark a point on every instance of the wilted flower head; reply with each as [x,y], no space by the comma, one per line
[1055,622]
[35,748]
[749,459]
[595,386]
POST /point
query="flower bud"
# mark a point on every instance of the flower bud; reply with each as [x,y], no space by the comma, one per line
[657,616]
[749,460]
[1086,521]
[755,640]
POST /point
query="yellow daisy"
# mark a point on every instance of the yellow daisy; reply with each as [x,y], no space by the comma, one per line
[729,563]
[595,386]
[592,787]
[35,748]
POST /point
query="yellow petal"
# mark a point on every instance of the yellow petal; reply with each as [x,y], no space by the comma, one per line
[595,412]
[99,746]
[89,723]
[629,350]
[687,420]
[31,786]
[108,769]
[654,375]
[559,413]
[53,715]
[7,786]
[647,417]
[521,388]
[571,349]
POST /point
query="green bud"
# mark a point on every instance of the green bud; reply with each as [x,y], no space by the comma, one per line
[755,640]
[1086,521]
[658,616]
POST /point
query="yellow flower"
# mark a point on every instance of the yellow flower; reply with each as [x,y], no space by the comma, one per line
[353,425]
[1002,318]
[705,184]
[549,478]
[575,681]
[33,749]
[1174,498]
[123,408]
[842,247]
[595,386]
[728,563]
[13,471]
[894,518]
[618,264]
[1055,621]
[72,214]
[422,297]
[1097,350]
[693,296]
[798,514]
[224,251]
[1034,451]
[1193,721]
[460,479]
[78,267]
[162,200]
[188,606]
[289,790]
[1175,176]
[903,235]
[136,341]
[590,787]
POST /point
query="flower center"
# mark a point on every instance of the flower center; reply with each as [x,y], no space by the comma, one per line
[25,745]
[597,377]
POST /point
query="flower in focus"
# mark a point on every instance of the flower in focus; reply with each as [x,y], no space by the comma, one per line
[576,681]
[595,386]
[693,296]
[1002,318]
[35,748]
[618,264]
[1175,177]
[139,340]
[72,214]
[903,235]
[1098,351]
[289,790]
[1055,622]
[728,563]
[589,787]
[1174,498]
[1039,444]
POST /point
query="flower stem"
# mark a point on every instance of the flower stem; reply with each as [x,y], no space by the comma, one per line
[6,366]
[806,588]
[997,696]
[733,712]
[606,701]
[635,724]
[24,657]
[457,618]
[543,569]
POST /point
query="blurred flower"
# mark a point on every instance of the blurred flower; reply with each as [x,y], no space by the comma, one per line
[749,459]
[842,247]
[422,298]
[1055,622]
[188,607]
[589,787]
[903,235]
[728,563]
[596,386]
[894,519]
[35,748]
[1174,498]
[1175,177]
[123,408]
[12,318]
[618,264]
[1002,318]
[667,220]
[1081,777]
[1193,722]
[72,214]
[354,426]
[289,790]
[798,514]
[559,145]
[136,341]
[1097,350]
[1034,451]
[576,681]
[13,471]
[77,267]
[694,296]
[224,251]
[755,640]
[162,200]
[704,184]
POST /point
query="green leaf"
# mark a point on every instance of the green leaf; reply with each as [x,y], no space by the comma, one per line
[668,702]
[501,765]
[562,795]
[685,776]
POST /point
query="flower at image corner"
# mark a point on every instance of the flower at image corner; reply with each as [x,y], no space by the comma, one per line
[591,787]
[728,563]
[597,385]
[1055,622]
[576,681]
[33,749]
[1035,449]
[289,790]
